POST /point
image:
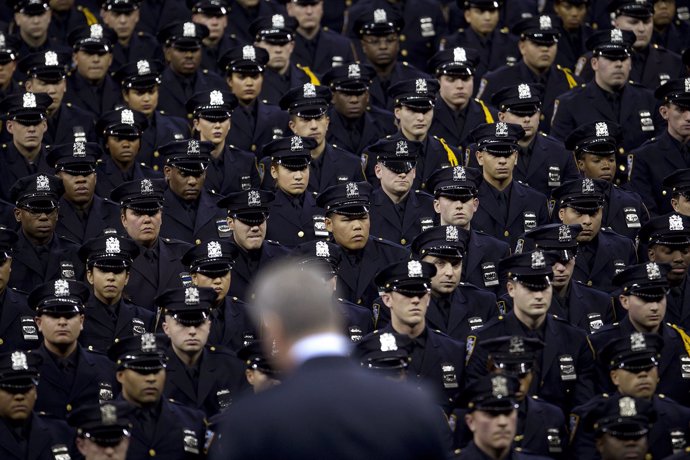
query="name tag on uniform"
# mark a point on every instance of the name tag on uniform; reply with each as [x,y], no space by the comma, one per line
[683,13]
[320,227]
[685,367]
[426,223]
[245,182]
[29,331]
[595,322]
[60,452]
[489,273]
[79,133]
[355,333]
[248,338]
[554,176]
[138,326]
[646,122]
[105,391]
[567,368]
[554,440]
[186,279]
[224,398]
[342,179]
[529,220]
[277,132]
[618,266]
[450,380]
[632,220]
[678,441]
[191,443]
[475,322]
[426,27]
[223,228]
[663,78]
[67,270]
[337,61]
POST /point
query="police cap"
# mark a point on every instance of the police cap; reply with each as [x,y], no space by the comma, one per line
[31,7]
[122,122]
[48,66]
[144,196]
[77,158]
[214,105]
[121,6]
[93,39]
[307,101]
[37,192]
[277,29]
[398,155]
[184,36]
[249,206]
[59,297]
[144,354]
[292,152]
[672,230]
[349,198]
[635,352]
[532,269]
[19,371]
[416,94]
[351,78]
[598,138]
[26,108]
[499,139]
[585,195]
[141,74]
[105,423]
[639,9]
[211,258]
[378,22]
[213,8]
[457,62]
[514,355]
[110,252]
[255,359]
[678,181]
[676,91]
[386,352]
[190,306]
[611,43]
[456,182]
[647,281]
[542,29]
[444,241]
[408,277]
[245,59]
[491,393]
[622,417]
[191,156]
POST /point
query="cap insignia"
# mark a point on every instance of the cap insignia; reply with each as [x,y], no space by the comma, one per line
[402,148]
[499,386]
[253,198]
[452,233]
[653,271]
[61,288]
[626,407]
[459,55]
[601,129]
[501,129]
[516,346]
[213,250]
[127,117]
[79,150]
[564,235]
[191,296]
[42,183]
[188,29]
[148,343]
[19,362]
[143,67]
[380,15]
[146,186]
[616,36]
[587,186]
[544,23]
[296,144]
[388,342]
[687,85]
[309,90]
[459,174]
[675,223]
[414,269]
[524,91]
[29,100]
[322,249]
[112,245]
[420,86]
[96,31]
[51,58]
[351,190]
[193,147]
[354,71]
[248,53]
[538,260]
[2,41]
[278,21]
[108,414]
[216,98]
[637,342]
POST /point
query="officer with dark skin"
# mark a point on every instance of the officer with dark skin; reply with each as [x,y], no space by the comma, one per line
[158,266]
[205,378]
[90,86]
[254,122]
[354,123]
[540,425]
[248,213]
[23,432]
[40,254]
[70,375]
[230,169]
[601,252]
[160,427]
[82,215]
[643,291]
[109,316]
[189,210]
[507,207]
[295,217]
[26,122]
[669,30]
[633,364]
[456,112]
[566,364]
[210,265]
[398,212]
[18,330]
[437,360]
[666,240]
[140,82]
[45,73]
[8,66]
[103,431]
[347,219]
[582,306]
[379,31]
[677,186]
[214,15]
[121,131]
[666,153]
[455,203]
[595,145]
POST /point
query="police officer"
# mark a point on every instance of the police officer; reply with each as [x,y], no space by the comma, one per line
[160,427]
[183,77]
[316,47]
[669,30]
[538,45]
[379,31]
[254,122]
[354,123]
[260,374]
[214,15]
[678,185]
[609,96]
[243,12]
[347,219]
[140,82]
[121,131]
[230,169]
[108,315]
[189,211]
[387,354]
[8,64]
[153,16]
[643,291]
[437,360]
[45,73]
[248,213]
[17,327]
[565,366]
[601,252]
[90,86]
[25,120]
[158,266]
[633,365]
[543,163]
[455,111]
[32,18]
[667,153]
[131,45]
[595,145]
[295,217]
[210,265]
[23,432]
[574,30]
[414,103]
[205,378]
[540,425]
[103,430]
[39,254]
[276,35]
[496,46]
[70,375]
[580,305]
[492,417]
[398,213]
[455,203]
[82,214]
[507,207]
[308,108]
[666,240]
[456,308]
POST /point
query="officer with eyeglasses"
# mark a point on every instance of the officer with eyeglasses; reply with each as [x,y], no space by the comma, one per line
[437,361]
[103,430]
[643,289]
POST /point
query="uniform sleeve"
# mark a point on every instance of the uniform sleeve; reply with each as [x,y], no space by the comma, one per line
[563,122]
[639,181]
[584,389]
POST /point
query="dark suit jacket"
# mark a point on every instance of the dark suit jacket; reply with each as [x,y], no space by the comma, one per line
[289,226]
[82,94]
[45,435]
[385,223]
[333,389]
[176,223]
[103,214]
[17,328]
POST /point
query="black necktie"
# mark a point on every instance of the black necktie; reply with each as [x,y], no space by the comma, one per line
[148,423]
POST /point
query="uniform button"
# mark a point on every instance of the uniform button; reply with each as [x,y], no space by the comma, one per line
[156,154]
[152,452]
[69,407]
[155,167]
[300,234]
[403,241]
[428,45]
[663,192]
[403,37]
[359,301]
[589,283]
[1,341]
[253,147]
[197,241]
[404,53]
[506,233]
